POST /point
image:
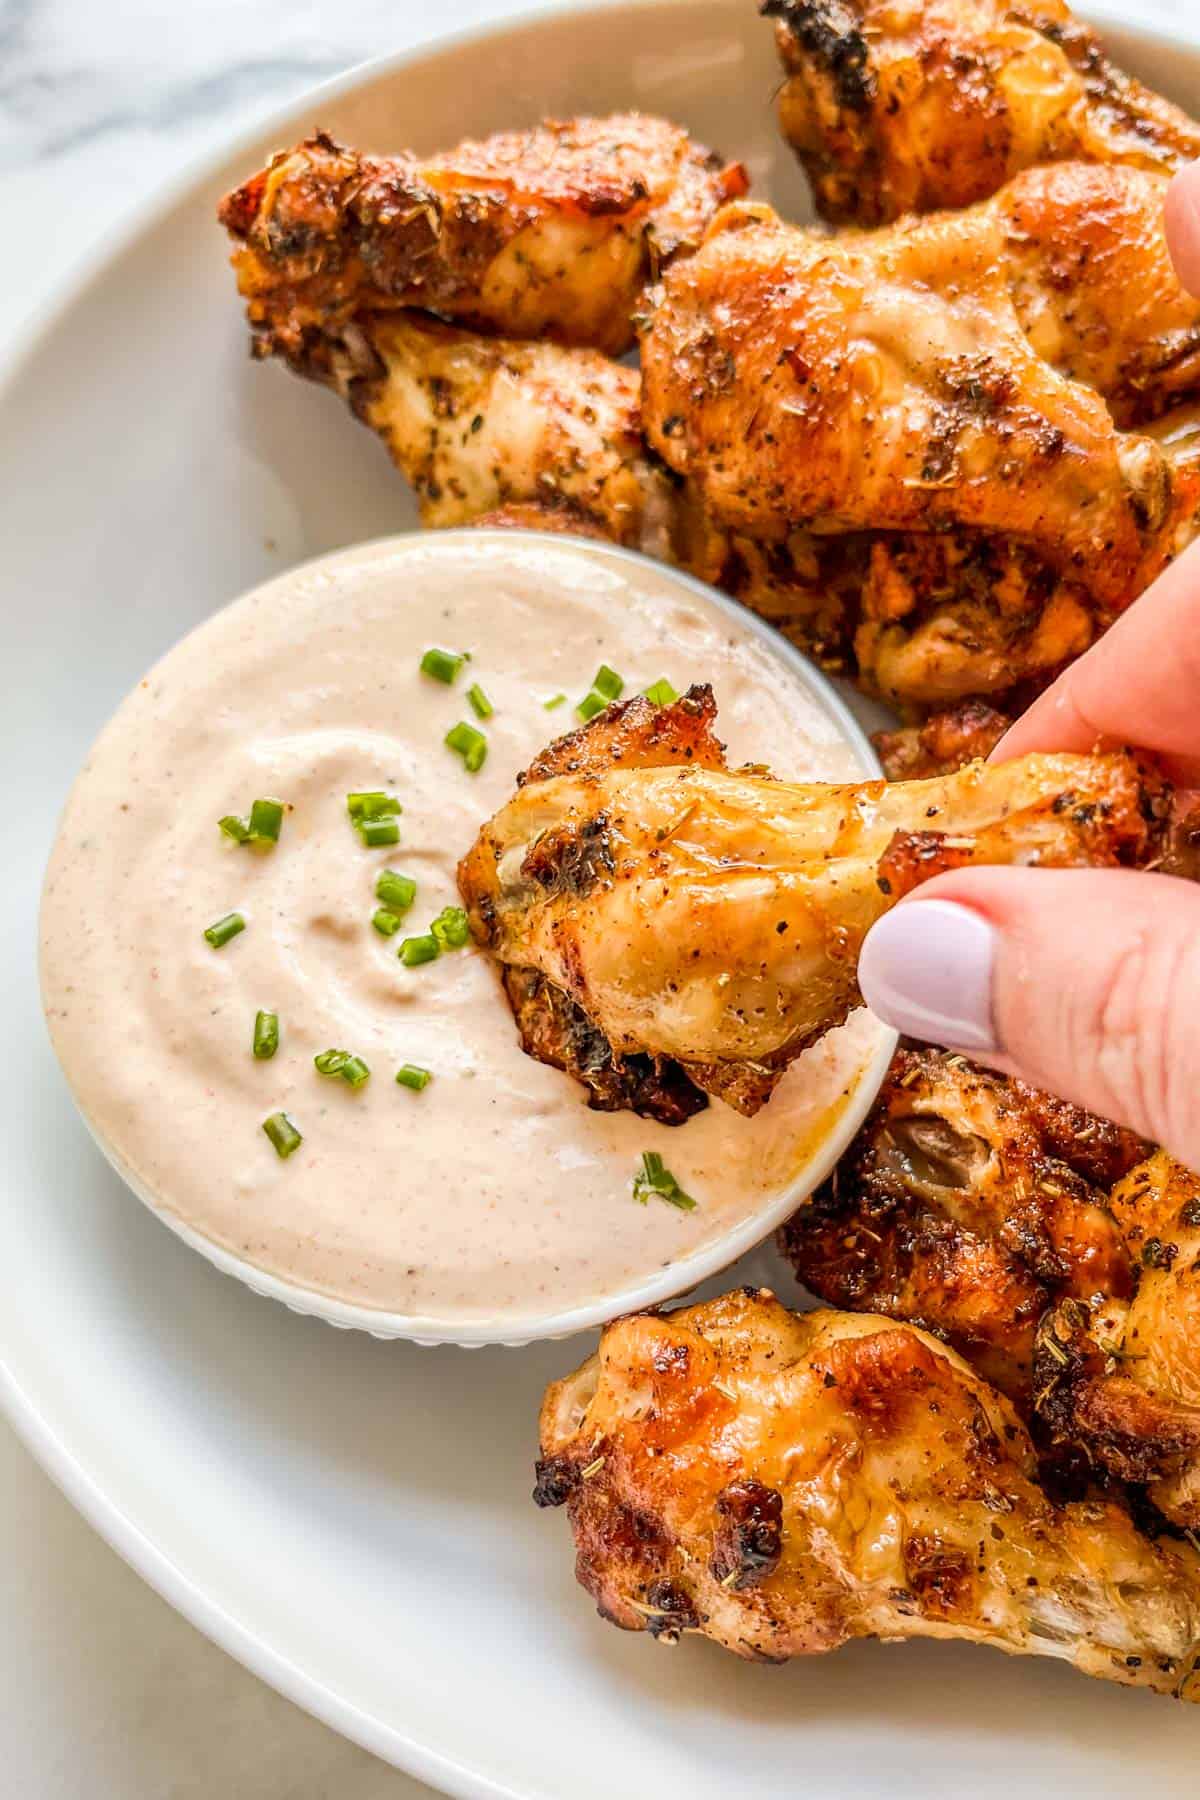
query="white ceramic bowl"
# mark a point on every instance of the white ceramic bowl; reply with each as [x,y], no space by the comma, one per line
[660,1282]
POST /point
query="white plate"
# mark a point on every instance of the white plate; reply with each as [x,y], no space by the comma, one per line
[352,1518]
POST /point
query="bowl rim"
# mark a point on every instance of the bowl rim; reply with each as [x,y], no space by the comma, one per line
[664,1282]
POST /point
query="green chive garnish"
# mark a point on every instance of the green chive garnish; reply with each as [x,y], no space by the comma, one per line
[395,890]
[608,682]
[662,693]
[653,1178]
[416,950]
[374,805]
[412,1077]
[470,744]
[443,665]
[235,828]
[266,1035]
[266,816]
[553,701]
[386,923]
[590,705]
[282,1133]
[450,929]
[352,1069]
[218,935]
[481,706]
[377,832]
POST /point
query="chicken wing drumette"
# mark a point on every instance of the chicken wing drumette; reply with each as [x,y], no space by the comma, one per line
[551,232]
[920,395]
[713,918]
[897,108]
[1059,1254]
[783,1484]
[968,1203]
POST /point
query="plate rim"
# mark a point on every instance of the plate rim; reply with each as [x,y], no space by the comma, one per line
[449,1774]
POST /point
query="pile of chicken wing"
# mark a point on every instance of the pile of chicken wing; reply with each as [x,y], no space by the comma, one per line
[941,441]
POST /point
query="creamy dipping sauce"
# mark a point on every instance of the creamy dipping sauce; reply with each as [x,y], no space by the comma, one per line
[494,1194]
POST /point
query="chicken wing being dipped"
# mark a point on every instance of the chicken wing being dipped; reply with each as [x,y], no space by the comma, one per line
[713,918]
[896,108]
[784,1484]
[551,232]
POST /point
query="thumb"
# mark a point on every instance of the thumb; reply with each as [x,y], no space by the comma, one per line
[1083,982]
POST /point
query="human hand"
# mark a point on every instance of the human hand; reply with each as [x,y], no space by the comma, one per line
[1086,983]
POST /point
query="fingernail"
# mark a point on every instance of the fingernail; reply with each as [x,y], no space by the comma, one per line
[926,969]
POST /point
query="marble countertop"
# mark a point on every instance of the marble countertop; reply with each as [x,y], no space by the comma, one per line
[103,1689]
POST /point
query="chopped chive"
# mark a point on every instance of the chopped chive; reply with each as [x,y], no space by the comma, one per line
[374,805]
[607,682]
[470,744]
[235,828]
[590,705]
[352,1069]
[661,692]
[386,923]
[266,1035]
[450,929]
[219,934]
[443,665]
[395,890]
[266,816]
[416,950]
[410,1076]
[553,701]
[377,832]
[481,706]
[282,1133]
[653,1178]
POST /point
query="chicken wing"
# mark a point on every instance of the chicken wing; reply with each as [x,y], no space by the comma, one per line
[713,918]
[783,1484]
[551,232]
[884,386]
[1117,1373]
[968,1204]
[907,107]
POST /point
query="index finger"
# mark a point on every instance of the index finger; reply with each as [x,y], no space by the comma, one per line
[1139,685]
[1182,208]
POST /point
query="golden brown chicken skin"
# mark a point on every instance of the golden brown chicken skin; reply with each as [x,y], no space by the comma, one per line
[885,382]
[969,1204]
[908,107]
[1118,1375]
[714,917]
[784,1484]
[551,232]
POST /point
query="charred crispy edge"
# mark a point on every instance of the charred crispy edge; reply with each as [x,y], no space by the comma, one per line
[749,1540]
[822,29]
[554,1030]
[638,734]
[946,742]
[1082,1403]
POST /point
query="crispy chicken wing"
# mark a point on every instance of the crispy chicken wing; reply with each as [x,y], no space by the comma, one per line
[968,1203]
[888,385]
[905,107]
[551,232]
[714,918]
[783,1484]
[1118,1373]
